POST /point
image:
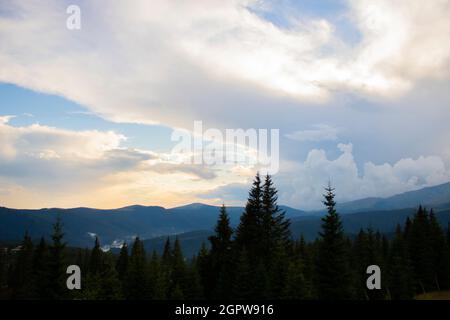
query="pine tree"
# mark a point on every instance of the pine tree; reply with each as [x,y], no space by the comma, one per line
[122,264]
[276,239]
[440,258]
[220,258]
[3,268]
[57,264]
[360,262]
[207,275]
[166,265]
[274,223]
[248,233]
[110,286]
[195,289]
[448,234]
[333,273]
[95,262]
[23,270]
[303,255]
[179,272]
[137,280]
[41,270]
[167,254]
[243,286]
[297,287]
[421,252]
[157,282]
[399,275]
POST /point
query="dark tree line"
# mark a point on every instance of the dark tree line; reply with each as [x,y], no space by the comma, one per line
[257,260]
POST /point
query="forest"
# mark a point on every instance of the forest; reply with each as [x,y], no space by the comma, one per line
[258,260]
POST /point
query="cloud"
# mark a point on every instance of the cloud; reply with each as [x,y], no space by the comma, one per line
[5,119]
[43,166]
[320,132]
[306,185]
[230,194]
[171,62]
[198,171]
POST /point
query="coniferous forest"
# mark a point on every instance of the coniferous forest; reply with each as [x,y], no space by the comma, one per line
[257,260]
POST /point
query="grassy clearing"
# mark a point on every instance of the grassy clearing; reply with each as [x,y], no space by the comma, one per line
[436,295]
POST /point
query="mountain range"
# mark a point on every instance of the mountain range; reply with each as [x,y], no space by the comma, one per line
[193,223]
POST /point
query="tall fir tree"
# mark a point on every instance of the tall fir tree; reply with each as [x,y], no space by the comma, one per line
[248,233]
[440,257]
[41,270]
[23,270]
[334,280]
[157,281]
[57,264]
[95,261]
[122,265]
[137,280]
[207,275]
[179,284]
[274,223]
[399,275]
[421,252]
[221,259]
[243,284]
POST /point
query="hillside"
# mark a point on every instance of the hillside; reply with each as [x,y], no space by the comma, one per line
[436,196]
[115,226]
[149,222]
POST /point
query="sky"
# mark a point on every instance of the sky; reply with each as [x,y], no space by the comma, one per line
[358,89]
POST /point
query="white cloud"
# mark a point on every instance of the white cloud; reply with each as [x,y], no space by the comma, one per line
[320,132]
[42,166]
[174,62]
[308,178]
[47,142]
[171,61]
[5,119]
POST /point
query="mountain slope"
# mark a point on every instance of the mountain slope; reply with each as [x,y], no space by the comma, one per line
[118,225]
[436,196]
[115,226]
[384,221]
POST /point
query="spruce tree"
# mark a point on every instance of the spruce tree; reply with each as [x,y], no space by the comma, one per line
[220,258]
[167,254]
[157,282]
[275,226]
[57,264]
[296,287]
[195,288]
[110,286]
[122,265]
[243,286]
[41,271]
[421,252]
[23,270]
[399,275]
[179,272]
[207,275]
[440,258]
[137,280]
[248,233]
[276,239]
[3,268]
[333,273]
[360,260]
[95,261]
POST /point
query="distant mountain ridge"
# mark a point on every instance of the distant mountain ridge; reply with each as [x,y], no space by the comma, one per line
[118,225]
[435,196]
